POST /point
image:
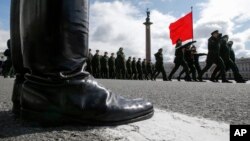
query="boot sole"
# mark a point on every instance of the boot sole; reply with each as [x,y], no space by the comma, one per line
[56,119]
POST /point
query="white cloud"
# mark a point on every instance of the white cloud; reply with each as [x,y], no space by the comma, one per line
[116,24]
[228,16]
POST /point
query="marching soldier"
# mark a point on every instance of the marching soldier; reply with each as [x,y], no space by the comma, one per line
[196,58]
[129,68]
[112,66]
[189,58]
[159,67]
[139,69]
[225,50]
[179,59]
[144,69]
[89,62]
[150,70]
[96,64]
[105,66]
[121,63]
[7,65]
[213,56]
[134,69]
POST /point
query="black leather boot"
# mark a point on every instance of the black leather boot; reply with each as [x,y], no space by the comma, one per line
[58,90]
[78,100]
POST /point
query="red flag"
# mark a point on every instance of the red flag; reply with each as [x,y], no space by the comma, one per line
[182,28]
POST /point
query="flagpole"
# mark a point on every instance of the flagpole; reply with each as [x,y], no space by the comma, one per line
[192,24]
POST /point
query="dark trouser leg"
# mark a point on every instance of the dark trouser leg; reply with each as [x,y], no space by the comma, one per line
[59,90]
[17,57]
[177,65]
[234,68]
[193,71]
[198,67]
[213,76]
[185,67]
[182,72]
[205,69]
[164,75]
[220,62]
[156,73]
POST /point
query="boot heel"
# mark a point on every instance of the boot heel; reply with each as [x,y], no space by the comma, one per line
[43,119]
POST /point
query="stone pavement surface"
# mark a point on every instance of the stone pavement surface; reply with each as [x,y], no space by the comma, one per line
[184,111]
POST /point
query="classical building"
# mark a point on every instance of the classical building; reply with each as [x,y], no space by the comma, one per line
[243,65]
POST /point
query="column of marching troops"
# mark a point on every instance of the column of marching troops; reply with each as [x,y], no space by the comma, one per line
[220,52]
[119,68]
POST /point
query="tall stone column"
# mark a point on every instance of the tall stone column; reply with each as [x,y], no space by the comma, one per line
[148,36]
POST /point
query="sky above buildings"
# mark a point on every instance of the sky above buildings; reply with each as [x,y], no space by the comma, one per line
[118,23]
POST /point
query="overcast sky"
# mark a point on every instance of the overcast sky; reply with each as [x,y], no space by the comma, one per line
[118,23]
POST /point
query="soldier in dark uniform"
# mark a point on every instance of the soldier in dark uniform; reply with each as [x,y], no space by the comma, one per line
[196,58]
[150,70]
[7,66]
[225,51]
[105,66]
[144,69]
[96,64]
[239,78]
[179,59]
[121,64]
[112,66]
[159,68]
[129,68]
[89,62]
[134,69]
[213,57]
[189,58]
[139,69]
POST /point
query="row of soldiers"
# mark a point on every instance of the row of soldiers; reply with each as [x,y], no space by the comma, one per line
[119,68]
[220,52]
[6,66]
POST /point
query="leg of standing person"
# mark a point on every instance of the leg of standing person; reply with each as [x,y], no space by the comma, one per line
[17,57]
[55,48]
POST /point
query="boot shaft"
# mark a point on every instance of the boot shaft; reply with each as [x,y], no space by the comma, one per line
[54,35]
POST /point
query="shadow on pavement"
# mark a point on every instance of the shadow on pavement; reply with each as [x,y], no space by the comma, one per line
[10,126]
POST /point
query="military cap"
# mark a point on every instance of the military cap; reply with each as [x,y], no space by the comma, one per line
[216,31]
[225,36]
[230,42]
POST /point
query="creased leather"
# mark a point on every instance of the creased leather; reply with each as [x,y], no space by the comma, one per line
[83,99]
[54,35]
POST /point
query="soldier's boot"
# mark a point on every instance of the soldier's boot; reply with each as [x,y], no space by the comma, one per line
[238,78]
[188,78]
[224,80]
[179,78]
[58,90]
